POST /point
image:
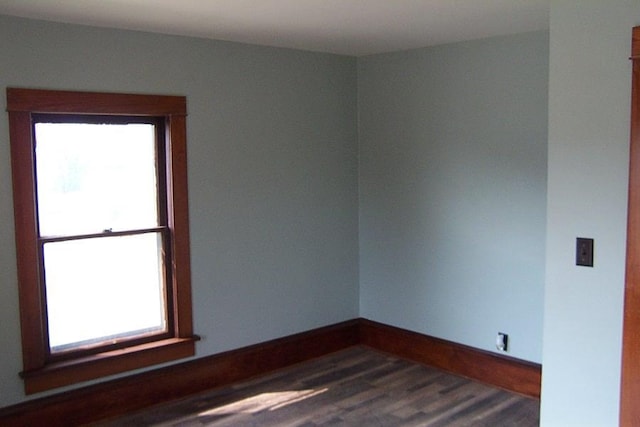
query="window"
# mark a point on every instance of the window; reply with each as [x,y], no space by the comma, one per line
[102,235]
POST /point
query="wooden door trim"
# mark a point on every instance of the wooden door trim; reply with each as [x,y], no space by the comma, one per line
[630,383]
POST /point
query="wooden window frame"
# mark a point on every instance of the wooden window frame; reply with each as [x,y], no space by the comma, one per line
[41,372]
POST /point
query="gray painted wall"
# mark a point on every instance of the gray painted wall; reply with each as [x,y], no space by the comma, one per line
[273,170]
[272,141]
[590,90]
[453,156]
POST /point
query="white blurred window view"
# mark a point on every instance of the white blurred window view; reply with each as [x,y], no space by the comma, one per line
[100,227]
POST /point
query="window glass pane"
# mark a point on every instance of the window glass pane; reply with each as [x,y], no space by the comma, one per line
[102,288]
[93,177]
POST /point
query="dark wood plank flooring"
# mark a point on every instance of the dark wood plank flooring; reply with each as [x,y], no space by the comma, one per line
[354,387]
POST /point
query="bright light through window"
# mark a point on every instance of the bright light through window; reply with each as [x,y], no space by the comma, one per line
[94,180]
[93,177]
[103,289]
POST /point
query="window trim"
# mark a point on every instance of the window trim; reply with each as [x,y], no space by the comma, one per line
[40,373]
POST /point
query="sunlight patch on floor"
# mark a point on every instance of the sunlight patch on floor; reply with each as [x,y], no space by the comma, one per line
[264,401]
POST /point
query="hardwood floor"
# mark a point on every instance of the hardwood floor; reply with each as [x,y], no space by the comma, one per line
[353,387]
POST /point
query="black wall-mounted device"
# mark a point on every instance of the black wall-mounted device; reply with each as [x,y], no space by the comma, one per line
[584,252]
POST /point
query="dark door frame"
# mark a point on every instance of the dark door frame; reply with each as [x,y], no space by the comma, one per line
[630,385]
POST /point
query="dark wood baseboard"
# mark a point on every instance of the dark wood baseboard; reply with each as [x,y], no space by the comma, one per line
[116,397]
[135,392]
[490,368]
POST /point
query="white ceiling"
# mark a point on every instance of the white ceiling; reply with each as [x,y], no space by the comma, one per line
[350,27]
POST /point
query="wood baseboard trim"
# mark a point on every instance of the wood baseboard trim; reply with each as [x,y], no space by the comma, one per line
[501,371]
[135,392]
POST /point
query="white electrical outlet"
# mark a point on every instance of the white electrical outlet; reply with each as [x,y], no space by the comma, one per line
[502,341]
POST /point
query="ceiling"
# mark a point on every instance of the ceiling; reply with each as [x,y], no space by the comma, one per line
[349,27]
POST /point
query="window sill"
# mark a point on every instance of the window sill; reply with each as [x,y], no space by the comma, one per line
[68,372]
